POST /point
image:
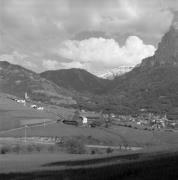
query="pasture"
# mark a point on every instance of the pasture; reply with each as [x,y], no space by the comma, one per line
[15,115]
[114,135]
[12,114]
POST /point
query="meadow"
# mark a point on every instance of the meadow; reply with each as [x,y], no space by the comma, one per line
[49,164]
[114,135]
[128,167]
[13,113]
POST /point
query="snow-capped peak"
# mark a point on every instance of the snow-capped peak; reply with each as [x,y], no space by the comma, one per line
[111,74]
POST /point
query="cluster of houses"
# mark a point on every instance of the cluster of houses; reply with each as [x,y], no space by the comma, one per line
[149,120]
[143,120]
[24,102]
[34,106]
[94,119]
[88,119]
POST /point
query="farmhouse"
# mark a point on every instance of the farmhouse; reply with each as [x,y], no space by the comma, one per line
[33,106]
[87,118]
[21,101]
[40,108]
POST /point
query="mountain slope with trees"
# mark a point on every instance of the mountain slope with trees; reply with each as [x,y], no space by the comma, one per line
[77,80]
[154,84]
[17,80]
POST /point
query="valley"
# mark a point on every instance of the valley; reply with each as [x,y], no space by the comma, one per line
[72,124]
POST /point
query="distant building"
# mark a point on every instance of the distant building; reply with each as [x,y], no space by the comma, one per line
[33,106]
[88,118]
[40,108]
[21,101]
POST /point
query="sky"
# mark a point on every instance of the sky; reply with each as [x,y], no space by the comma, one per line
[96,35]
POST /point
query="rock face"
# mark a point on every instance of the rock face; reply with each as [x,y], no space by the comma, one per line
[154,84]
[17,80]
[167,52]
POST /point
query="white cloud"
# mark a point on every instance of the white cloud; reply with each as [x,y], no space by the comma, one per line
[45,24]
[50,64]
[18,58]
[99,53]
[73,64]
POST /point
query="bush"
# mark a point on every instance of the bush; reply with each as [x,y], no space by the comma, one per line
[74,146]
[29,148]
[16,148]
[51,148]
[96,151]
[109,150]
[38,148]
[93,151]
[5,149]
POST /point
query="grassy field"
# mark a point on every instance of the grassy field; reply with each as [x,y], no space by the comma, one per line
[121,166]
[69,166]
[13,113]
[30,162]
[115,135]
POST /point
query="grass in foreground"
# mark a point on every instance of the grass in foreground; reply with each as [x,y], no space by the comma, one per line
[149,167]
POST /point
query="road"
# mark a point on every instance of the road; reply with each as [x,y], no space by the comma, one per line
[114,147]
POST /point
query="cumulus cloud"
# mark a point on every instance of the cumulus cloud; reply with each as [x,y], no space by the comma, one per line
[37,27]
[99,53]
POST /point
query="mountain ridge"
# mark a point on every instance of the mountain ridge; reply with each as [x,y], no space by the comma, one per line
[76,79]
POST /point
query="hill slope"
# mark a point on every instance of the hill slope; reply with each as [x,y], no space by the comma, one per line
[17,80]
[76,79]
[12,114]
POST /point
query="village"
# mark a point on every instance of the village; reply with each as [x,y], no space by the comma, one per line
[90,119]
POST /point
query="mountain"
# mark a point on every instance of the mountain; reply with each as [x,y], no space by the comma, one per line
[113,73]
[17,80]
[154,84]
[78,80]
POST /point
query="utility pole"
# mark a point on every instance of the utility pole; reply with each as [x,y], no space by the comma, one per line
[26,133]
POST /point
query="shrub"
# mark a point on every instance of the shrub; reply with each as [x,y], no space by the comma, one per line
[109,150]
[74,146]
[97,151]
[51,148]
[38,148]
[93,151]
[5,149]
[29,148]
[16,148]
